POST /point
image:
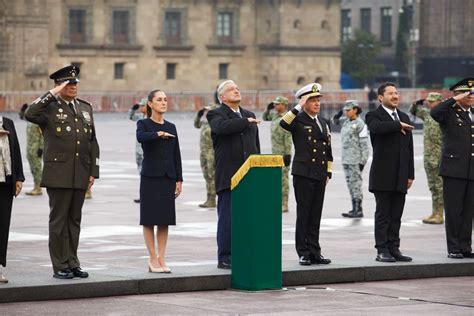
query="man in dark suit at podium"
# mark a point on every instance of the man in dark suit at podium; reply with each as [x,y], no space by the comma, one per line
[311,170]
[392,171]
[234,135]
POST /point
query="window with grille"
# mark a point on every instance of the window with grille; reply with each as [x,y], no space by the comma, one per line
[173,28]
[77,26]
[121,26]
[223,71]
[345,25]
[171,71]
[386,25]
[224,27]
[119,70]
[365,15]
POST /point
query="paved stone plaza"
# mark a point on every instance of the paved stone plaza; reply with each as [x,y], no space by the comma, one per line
[111,239]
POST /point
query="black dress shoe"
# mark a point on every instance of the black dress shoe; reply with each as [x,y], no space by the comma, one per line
[224,265]
[385,257]
[63,274]
[468,255]
[400,257]
[305,261]
[78,273]
[455,255]
[136,200]
[318,259]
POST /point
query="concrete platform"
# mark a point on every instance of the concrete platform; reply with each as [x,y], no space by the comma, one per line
[112,249]
[204,278]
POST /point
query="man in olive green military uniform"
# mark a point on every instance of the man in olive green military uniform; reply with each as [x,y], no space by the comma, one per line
[432,143]
[71,162]
[34,152]
[281,141]
[207,154]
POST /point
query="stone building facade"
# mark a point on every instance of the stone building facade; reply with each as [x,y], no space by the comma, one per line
[446,48]
[178,45]
[379,18]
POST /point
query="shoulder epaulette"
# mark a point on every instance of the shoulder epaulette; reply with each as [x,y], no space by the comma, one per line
[84,101]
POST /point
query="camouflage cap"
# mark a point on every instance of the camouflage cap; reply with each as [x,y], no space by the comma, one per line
[434,96]
[350,104]
[280,100]
[143,101]
[211,106]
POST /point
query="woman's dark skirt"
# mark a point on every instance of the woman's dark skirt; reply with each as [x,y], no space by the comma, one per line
[157,201]
[6,199]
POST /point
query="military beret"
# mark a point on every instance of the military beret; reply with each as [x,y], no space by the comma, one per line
[312,89]
[434,96]
[280,100]
[466,84]
[350,104]
[67,73]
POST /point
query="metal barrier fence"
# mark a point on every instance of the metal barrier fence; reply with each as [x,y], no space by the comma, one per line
[254,100]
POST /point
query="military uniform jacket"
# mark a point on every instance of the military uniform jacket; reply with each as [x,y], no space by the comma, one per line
[234,140]
[71,151]
[313,154]
[355,147]
[393,162]
[457,155]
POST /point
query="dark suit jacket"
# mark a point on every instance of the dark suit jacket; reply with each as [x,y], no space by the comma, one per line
[234,140]
[71,151]
[161,157]
[457,156]
[392,163]
[17,166]
[313,152]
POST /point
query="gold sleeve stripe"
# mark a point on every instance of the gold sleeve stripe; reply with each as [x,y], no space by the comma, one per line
[288,117]
[330,166]
[255,161]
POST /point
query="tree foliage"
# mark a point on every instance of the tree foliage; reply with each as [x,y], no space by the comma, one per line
[358,57]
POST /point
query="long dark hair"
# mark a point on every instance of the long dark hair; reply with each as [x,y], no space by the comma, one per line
[151,95]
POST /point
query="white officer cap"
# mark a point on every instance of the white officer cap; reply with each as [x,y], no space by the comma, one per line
[312,89]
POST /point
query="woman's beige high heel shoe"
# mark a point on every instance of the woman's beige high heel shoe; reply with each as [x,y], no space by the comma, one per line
[153,269]
[3,278]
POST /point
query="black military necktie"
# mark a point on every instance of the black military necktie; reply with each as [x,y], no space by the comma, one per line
[395,116]
[318,124]
[71,105]
[238,114]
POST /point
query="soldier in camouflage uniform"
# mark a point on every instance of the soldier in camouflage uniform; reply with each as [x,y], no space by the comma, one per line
[281,142]
[135,113]
[432,142]
[355,152]
[207,154]
[34,152]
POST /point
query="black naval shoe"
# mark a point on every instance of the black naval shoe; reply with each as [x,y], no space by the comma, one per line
[78,273]
[305,261]
[318,259]
[224,265]
[468,255]
[455,255]
[63,274]
[399,256]
[385,256]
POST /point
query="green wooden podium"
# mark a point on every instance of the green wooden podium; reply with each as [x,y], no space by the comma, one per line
[256,224]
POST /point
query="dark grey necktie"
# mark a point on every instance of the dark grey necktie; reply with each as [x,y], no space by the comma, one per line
[238,114]
[395,116]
